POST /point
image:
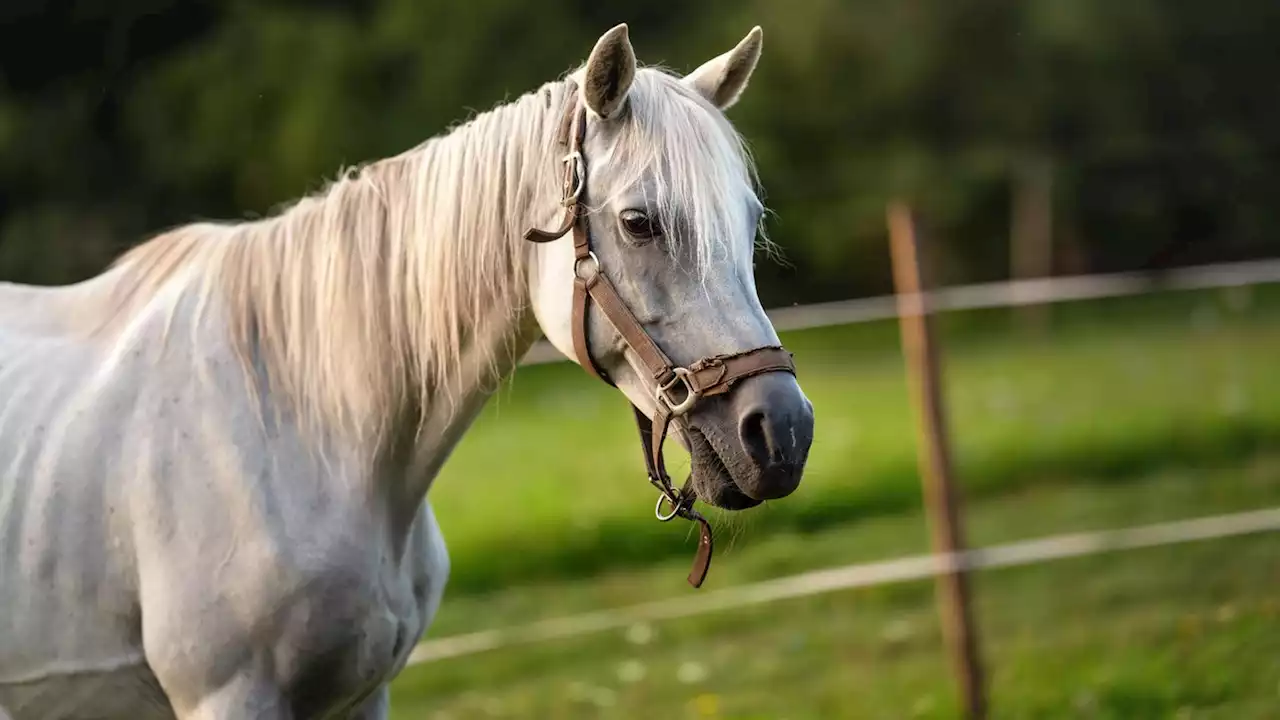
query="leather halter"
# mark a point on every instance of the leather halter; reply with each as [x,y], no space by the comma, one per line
[677,389]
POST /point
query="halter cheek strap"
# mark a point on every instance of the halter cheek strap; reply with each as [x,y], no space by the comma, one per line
[677,390]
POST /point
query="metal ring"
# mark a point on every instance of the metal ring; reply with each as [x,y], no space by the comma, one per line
[657,509]
[674,408]
[578,262]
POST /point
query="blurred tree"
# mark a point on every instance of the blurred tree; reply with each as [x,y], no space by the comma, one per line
[118,119]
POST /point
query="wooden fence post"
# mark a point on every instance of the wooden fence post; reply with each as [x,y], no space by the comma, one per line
[934,451]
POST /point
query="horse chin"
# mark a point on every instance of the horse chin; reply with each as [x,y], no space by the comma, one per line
[712,480]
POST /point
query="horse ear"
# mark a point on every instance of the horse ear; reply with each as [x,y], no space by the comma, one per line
[609,71]
[722,79]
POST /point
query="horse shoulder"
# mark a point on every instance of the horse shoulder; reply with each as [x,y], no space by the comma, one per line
[297,577]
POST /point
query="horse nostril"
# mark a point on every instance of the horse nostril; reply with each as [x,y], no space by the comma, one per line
[755,437]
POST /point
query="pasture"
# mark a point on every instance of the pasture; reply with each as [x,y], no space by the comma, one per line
[1130,411]
[1118,387]
[1141,634]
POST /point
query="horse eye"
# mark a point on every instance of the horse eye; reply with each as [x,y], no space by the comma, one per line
[638,225]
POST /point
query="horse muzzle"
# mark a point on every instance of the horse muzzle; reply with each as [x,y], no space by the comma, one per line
[752,444]
[775,429]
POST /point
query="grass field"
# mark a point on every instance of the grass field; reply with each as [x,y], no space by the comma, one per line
[1120,387]
[1187,631]
[1131,411]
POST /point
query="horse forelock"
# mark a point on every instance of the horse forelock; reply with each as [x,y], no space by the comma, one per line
[702,171]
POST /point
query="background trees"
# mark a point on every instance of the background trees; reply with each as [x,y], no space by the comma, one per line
[1154,122]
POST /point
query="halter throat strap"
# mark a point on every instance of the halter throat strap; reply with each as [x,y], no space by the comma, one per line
[676,389]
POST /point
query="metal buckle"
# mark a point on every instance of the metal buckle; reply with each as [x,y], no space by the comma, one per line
[676,409]
[578,262]
[579,177]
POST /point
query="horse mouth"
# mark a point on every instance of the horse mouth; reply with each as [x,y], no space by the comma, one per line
[712,480]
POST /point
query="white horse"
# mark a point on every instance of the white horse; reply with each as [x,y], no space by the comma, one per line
[215,456]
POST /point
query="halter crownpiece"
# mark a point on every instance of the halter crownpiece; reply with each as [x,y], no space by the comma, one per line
[677,390]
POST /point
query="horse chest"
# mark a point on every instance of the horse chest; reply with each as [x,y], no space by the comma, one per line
[328,627]
[345,637]
[327,618]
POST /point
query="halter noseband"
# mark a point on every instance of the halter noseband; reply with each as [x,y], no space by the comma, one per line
[705,378]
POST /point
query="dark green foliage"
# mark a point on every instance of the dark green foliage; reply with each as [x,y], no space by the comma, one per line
[120,119]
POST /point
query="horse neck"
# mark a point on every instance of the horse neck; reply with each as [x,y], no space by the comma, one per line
[459,356]
[430,435]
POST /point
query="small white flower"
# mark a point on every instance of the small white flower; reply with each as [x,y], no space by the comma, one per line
[640,633]
[691,672]
[603,697]
[631,671]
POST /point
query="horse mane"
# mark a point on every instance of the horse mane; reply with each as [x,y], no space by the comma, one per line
[364,299]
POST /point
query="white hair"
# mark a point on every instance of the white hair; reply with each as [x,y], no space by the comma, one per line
[367,299]
[702,169]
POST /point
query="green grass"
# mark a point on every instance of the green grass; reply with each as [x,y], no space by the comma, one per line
[549,482]
[1185,631]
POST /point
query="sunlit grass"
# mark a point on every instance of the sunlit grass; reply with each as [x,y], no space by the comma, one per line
[549,482]
[1179,631]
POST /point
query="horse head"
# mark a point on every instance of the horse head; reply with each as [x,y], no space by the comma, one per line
[654,292]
